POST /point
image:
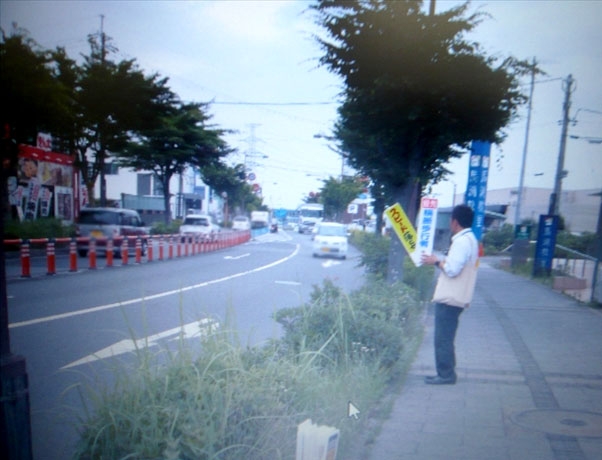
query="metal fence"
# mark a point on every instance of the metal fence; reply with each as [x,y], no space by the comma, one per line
[577,275]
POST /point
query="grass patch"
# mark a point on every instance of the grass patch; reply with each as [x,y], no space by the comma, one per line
[213,399]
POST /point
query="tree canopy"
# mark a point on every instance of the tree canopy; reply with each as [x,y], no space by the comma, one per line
[416,93]
[180,137]
[336,194]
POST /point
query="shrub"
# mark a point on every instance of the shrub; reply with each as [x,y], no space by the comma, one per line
[369,323]
[161,228]
[496,241]
[39,228]
[375,252]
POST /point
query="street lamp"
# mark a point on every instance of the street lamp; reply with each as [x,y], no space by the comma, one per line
[337,151]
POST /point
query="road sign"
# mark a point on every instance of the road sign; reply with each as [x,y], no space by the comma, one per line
[476,188]
[402,226]
[427,223]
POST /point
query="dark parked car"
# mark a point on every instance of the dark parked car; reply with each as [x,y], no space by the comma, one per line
[115,223]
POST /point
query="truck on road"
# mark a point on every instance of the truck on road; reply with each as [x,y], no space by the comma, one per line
[260,219]
[309,215]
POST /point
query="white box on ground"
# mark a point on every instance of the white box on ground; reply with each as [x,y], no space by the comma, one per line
[316,442]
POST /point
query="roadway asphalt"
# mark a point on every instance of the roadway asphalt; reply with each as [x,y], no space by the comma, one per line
[529,382]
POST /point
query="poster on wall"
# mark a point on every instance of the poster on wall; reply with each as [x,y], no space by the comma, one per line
[41,177]
[63,203]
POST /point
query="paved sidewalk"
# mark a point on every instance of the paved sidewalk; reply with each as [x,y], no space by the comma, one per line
[529,382]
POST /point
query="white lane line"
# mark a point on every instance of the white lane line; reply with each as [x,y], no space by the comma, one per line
[290,283]
[152,297]
[237,257]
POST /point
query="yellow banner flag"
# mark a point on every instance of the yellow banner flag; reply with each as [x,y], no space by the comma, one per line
[402,226]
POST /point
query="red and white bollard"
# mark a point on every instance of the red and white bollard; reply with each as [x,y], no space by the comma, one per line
[149,250]
[124,251]
[25,259]
[110,248]
[138,250]
[161,240]
[92,254]
[73,255]
[50,257]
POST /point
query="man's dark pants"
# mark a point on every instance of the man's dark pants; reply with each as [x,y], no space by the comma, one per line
[446,325]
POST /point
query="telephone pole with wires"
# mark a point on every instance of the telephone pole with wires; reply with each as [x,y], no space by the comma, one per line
[568,87]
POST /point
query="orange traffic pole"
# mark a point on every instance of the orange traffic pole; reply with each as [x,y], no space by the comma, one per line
[149,250]
[109,252]
[92,254]
[161,247]
[138,250]
[73,255]
[124,251]
[25,259]
[50,257]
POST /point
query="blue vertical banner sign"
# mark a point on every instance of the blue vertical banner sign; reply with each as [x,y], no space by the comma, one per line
[427,223]
[476,188]
[546,242]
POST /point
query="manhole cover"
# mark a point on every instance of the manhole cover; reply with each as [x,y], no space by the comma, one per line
[564,422]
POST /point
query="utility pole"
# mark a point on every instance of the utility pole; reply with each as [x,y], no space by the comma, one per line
[567,85]
[103,179]
[521,182]
[15,424]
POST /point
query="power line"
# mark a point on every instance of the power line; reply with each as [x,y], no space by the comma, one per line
[274,103]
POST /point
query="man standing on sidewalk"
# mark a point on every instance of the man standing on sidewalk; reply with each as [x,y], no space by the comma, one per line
[454,291]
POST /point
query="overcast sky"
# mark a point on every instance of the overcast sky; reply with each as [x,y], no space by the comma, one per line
[257,63]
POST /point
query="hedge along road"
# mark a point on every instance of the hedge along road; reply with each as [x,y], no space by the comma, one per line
[63,320]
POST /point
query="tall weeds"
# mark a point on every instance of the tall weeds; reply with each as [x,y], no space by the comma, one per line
[213,399]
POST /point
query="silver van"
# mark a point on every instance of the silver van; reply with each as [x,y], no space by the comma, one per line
[105,223]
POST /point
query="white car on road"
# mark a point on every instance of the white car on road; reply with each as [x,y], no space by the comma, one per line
[330,239]
[199,226]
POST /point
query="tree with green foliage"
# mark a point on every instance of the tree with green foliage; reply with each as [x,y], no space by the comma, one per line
[337,194]
[181,137]
[116,100]
[33,100]
[232,181]
[416,93]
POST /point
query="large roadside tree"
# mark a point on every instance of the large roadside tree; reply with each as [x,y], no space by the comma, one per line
[181,137]
[416,93]
[33,100]
[116,100]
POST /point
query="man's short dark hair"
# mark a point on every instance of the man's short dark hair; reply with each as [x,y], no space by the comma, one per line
[464,215]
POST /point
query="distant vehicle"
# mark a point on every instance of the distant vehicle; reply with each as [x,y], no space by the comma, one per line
[199,225]
[260,219]
[274,227]
[309,215]
[241,223]
[105,223]
[330,239]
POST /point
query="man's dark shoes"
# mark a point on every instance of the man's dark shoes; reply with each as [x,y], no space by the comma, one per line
[437,380]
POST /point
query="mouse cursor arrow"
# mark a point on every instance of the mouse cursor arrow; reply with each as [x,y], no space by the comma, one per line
[352,411]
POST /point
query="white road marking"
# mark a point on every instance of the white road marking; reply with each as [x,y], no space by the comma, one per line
[290,283]
[190,330]
[237,257]
[153,297]
[330,263]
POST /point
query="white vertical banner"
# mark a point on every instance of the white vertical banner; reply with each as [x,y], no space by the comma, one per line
[427,224]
